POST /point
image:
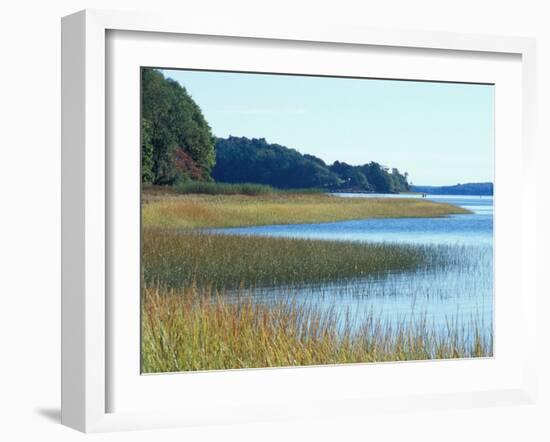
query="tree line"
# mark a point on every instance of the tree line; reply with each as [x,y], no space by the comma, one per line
[241,159]
[177,145]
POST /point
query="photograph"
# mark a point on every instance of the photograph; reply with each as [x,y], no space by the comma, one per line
[295,220]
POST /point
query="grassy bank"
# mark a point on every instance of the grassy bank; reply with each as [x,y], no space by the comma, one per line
[210,188]
[171,210]
[193,329]
[182,258]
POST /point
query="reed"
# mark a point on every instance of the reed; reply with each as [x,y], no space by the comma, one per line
[199,329]
[172,210]
[182,258]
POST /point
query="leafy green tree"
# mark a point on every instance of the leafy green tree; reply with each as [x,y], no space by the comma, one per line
[244,160]
[400,183]
[146,153]
[172,122]
[378,177]
[352,176]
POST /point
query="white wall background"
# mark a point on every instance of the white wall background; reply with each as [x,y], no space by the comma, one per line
[30,215]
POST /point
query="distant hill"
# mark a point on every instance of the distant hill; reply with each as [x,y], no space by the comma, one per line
[254,160]
[484,189]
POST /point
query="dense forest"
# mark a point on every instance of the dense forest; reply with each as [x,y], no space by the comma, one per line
[240,159]
[485,189]
[177,145]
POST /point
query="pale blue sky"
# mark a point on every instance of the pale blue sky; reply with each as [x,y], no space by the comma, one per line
[440,133]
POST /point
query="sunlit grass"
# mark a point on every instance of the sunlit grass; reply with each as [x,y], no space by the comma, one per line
[213,211]
[197,329]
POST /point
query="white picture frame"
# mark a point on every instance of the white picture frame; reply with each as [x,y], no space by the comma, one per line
[87,355]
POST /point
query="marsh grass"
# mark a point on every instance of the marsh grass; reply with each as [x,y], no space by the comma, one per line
[197,329]
[211,188]
[170,210]
[180,259]
[200,303]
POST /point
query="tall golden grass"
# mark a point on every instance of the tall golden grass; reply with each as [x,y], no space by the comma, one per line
[215,211]
[198,329]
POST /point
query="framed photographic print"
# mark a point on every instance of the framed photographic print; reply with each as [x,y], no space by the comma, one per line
[263,223]
[255,255]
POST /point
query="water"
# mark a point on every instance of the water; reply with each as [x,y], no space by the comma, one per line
[455,229]
[459,294]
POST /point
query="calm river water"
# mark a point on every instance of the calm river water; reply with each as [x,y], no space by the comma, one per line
[453,295]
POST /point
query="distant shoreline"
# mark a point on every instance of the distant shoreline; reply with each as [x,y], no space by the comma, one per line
[473,189]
